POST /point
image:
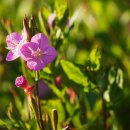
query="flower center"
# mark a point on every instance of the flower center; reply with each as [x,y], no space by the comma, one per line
[38,53]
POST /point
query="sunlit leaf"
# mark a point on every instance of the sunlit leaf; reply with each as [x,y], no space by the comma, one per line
[47,70]
[119,78]
[115,88]
[74,73]
[116,75]
[56,91]
[4,124]
[94,60]
[60,7]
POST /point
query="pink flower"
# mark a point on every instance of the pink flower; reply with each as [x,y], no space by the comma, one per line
[38,52]
[51,19]
[14,43]
[22,83]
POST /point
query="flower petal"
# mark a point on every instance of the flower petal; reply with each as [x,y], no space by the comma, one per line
[13,40]
[27,49]
[41,40]
[50,55]
[36,64]
[12,55]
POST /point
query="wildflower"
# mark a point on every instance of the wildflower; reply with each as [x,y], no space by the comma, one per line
[51,19]
[23,83]
[14,43]
[38,52]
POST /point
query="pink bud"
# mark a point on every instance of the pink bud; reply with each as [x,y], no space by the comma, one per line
[21,82]
[51,19]
[58,81]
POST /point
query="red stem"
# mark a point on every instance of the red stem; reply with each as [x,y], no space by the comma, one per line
[38,102]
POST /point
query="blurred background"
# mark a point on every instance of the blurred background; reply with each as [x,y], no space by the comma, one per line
[91,23]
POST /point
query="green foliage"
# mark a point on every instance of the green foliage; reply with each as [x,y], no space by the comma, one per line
[60,7]
[4,124]
[74,73]
[114,92]
[116,75]
[92,39]
[116,85]
[54,104]
[94,60]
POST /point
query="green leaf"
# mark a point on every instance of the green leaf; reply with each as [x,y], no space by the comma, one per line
[32,124]
[94,60]
[54,115]
[119,78]
[5,124]
[116,75]
[60,7]
[55,104]
[116,94]
[115,78]
[2,122]
[45,74]
[47,121]
[56,91]
[10,112]
[15,116]
[42,24]
[47,70]
[74,73]
[112,75]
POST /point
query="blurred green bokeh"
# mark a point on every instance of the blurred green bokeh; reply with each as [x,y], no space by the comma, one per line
[97,23]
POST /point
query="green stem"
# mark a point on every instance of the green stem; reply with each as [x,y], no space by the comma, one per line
[33,104]
[38,101]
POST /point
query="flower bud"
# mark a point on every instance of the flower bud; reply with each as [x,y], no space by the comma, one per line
[58,81]
[51,19]
[32,25]
[26,26]
[22,83]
